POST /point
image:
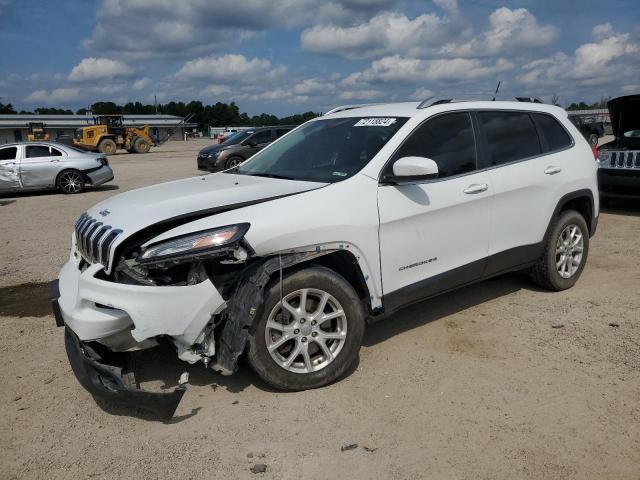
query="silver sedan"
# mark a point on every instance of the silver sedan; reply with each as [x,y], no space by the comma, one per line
[43,165]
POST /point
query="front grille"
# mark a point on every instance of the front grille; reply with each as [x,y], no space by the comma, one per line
[94,239]
[624,159]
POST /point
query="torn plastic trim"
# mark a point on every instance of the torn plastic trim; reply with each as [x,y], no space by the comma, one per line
[244,304]
[106,381]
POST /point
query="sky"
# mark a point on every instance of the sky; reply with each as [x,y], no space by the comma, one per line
[291,56]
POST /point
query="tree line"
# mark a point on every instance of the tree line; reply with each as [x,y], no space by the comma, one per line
[217,115]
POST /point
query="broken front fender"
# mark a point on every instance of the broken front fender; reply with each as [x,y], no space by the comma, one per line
[107,381]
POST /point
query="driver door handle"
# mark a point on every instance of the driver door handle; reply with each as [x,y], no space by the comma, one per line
[552,170]
[476,188]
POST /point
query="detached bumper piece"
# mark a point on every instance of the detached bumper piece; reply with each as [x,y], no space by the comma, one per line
[110,382]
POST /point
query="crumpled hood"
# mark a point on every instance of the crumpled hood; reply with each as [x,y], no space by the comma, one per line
[137,209]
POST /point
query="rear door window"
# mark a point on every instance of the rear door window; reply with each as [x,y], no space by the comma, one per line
[510,136]
[261,137]
[555,135]
[446,139]
[55,152]
[34,151]
[282,131]
[8,153]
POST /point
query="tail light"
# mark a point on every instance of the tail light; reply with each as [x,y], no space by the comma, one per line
[594,149]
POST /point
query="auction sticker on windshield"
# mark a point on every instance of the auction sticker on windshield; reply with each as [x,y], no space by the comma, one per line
[375,122]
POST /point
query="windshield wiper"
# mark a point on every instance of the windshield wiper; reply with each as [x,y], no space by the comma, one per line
[269,175]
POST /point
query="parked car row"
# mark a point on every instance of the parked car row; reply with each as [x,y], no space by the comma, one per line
[48,165]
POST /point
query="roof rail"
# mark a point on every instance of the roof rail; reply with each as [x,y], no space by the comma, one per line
[460,97]
[529,99]
[342,108]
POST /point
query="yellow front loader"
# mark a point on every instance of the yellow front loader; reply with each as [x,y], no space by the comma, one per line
[107,134]
[37,132]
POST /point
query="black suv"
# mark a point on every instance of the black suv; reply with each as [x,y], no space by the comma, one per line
[619,160]
[239,147]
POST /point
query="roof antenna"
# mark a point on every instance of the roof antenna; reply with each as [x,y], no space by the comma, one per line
[496,93]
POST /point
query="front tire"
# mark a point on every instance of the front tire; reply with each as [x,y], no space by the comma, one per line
[565,253]
[107,146]
[312,341]
[140,145]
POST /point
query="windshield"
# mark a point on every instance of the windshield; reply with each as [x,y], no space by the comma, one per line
[324,150]
[237,137]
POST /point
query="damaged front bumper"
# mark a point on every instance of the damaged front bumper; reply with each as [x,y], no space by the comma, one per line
[98,314]
[115,383]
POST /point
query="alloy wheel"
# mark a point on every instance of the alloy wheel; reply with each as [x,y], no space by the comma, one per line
[306,331]
[569,248]
[71,182]
[234,162]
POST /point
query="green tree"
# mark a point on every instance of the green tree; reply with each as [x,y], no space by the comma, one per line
[6,108]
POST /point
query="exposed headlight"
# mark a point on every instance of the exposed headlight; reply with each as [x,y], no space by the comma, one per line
[603,158]
[213,154]
[195,243]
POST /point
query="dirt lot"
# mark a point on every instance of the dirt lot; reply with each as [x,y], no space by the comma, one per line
[496,381]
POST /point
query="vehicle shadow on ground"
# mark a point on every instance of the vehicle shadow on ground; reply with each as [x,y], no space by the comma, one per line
[628,207]
[445,305]
[161,366]
[12,197]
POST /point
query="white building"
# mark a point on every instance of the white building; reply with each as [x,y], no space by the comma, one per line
[14,128]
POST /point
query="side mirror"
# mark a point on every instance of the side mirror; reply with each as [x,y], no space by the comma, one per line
[412,170]
[251,143]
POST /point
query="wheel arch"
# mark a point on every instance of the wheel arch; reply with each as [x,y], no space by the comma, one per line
[345,264]
[581,201]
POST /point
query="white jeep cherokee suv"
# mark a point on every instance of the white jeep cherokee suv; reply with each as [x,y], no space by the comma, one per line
[342,221]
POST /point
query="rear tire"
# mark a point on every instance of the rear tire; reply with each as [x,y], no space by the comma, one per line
[140,145]
[565,253]
[107,146]
[323,349]
[70,182]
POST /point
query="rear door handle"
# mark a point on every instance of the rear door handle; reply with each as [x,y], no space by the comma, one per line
[55,160]
[476,188]
[552,170]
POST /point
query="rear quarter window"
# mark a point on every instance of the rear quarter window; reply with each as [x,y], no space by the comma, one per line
[555,135]
[510,136]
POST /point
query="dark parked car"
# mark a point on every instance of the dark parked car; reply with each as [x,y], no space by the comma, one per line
[619,160]
[592,131]
[239,147]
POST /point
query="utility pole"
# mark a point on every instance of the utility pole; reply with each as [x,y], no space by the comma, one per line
[155,103]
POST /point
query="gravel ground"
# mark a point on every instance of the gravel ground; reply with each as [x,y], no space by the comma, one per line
[499,380]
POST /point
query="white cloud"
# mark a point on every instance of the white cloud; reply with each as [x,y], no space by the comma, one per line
[422,94]
[215,90]
[55,96]
[360,94]
[93,68]
[228,69]
[142,83]
[166,28]
[510,33]
[385,34]
[612,59]
[313,86]
[401,69]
